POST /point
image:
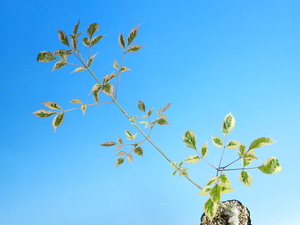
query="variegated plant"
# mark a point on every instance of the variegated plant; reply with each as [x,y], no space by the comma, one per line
[217,185]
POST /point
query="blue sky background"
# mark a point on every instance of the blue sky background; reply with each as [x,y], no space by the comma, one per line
[208,58]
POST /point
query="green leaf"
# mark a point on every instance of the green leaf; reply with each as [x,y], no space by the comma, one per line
[108,89]
[192,159]
[83,108]
[108,144]
[205,190]
[210,208]
[58,65]
[132,34]
[245,178]
[149,113]
[119,161]
[108,77]
[76,101]
[204,149]
[139,151]
[215,193]
[42,113]
[92,29]
[166,107]
[116,65]
[95,40]
[52,105]
[228,124]
[57,120]
[134,48]
[75,29]
[161,120]
[233,144]
[270,166]
[212,180]
[141,106]
[189,138]
[121,41]
[87,42]
[63,37]
[217,141]
[224,179]
[260,142]
[91,59]
[45,57]
[78,69]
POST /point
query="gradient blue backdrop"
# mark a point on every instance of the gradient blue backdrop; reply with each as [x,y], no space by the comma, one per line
[208,58]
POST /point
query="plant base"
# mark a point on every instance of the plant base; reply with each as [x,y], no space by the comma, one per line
[225,217]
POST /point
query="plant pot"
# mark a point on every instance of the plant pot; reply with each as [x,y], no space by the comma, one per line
[233,212]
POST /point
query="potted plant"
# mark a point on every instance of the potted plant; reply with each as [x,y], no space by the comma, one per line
[215,211]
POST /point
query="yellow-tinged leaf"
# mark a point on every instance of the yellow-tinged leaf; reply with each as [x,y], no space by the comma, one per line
[121,153]
[212,180]
[217,141]
[225,188]
[83,108]
[233,144]
[210,208]
[205,190]
[76,101]
[129,157]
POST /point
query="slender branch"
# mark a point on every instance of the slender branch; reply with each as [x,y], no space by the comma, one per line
[251,168]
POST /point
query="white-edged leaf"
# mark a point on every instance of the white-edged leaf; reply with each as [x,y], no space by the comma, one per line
[224,179]
[63,37]
[260,142]
[91,59]
[245,178]
[57,120]
[108,89]
[212,180]
[42,113]
[108,144]
[204,149]
[121,41]
[132,34]
[225,188]
[166,107]
[210,208]
[129,157]
[92,29]
[59,65]
[45,57]
[95,40]
[233,144]
[134,48]
[124,69]
[228,124]
[52,105]
[109,77]
[83,108]
[217,141]
[189,138]
[270,166]
[205,190]
[139,151]
[192,159]
[78,69]
[119,161]
[116,65]
[121,153]
[86,41]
